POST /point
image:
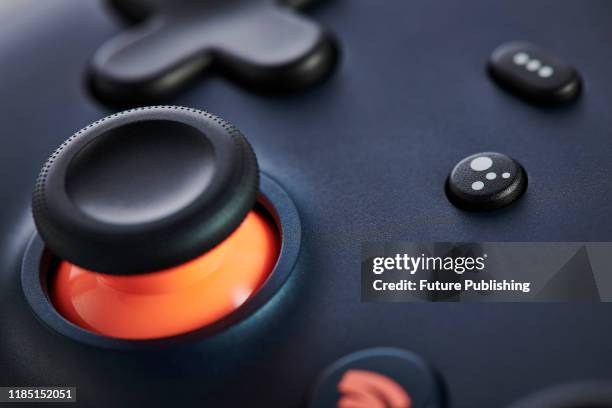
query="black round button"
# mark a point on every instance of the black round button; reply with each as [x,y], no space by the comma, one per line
[486,181]
[145,189]
[378,377]
[591,394]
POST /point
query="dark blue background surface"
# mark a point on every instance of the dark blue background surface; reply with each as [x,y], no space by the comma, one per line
[364,157]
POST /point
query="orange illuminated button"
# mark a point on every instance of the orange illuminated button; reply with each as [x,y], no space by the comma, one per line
[379,377]
[364,388]
[175,300]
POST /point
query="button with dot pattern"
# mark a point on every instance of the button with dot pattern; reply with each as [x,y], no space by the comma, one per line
[533,73]
[486,181]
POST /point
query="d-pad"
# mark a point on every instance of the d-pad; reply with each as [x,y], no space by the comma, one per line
[262,44]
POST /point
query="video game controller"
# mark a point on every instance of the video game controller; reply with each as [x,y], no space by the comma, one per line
[193,191]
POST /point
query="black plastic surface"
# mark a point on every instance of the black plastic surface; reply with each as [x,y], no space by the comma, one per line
[260,43]
[364,157]
[145,189]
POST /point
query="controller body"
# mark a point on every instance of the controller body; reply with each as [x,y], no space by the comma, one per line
[364,156]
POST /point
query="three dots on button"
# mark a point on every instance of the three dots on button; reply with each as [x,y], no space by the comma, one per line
[532,64]
[533,73]
[483,163]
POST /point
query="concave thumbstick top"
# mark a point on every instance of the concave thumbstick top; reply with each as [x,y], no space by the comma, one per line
[145,189]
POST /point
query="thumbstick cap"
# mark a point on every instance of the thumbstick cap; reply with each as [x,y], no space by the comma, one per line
[145,189]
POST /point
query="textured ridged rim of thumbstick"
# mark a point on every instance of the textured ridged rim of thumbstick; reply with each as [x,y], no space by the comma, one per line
[145,189]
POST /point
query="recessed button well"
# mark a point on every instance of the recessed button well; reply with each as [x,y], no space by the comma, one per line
[176,300]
